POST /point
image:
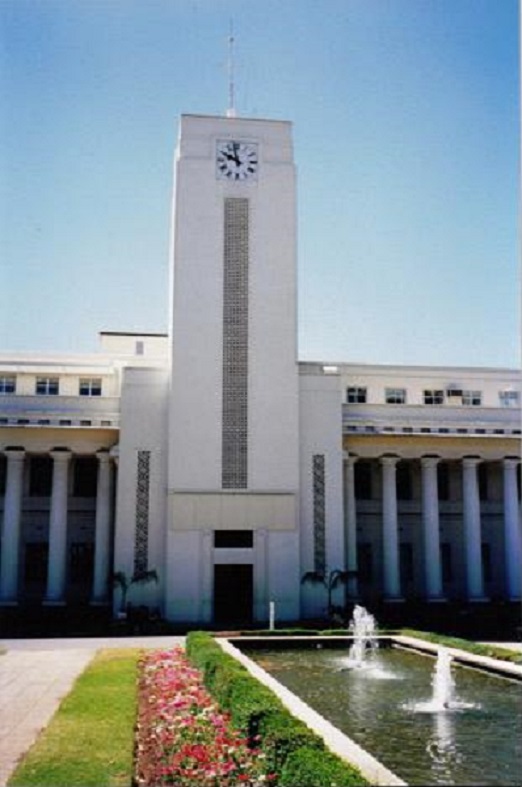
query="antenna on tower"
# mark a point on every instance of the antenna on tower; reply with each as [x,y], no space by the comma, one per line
[231,111]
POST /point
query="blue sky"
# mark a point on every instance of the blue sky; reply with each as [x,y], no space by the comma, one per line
[406,131]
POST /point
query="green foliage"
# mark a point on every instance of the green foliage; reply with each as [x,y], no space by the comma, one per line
[256,711]
[492,651]
[304,768]
[122,581]
[330,580]
[90,740]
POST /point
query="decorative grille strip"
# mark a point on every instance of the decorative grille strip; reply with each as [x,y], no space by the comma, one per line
[234,472]
[141,537]
[318,472]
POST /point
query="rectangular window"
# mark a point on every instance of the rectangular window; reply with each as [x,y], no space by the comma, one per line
[7,384]
[509,398]
[233,539]
[140,348]
[486,562]
[395,395]
[432,396]
[404,481]
[472,398]
[90,386]
[40,476]
[85,476]
[446,562]
[362,474]
[47,386]
[443,480]
[365,562]
[3,475]
[483,483]
[406,563]
[356,395]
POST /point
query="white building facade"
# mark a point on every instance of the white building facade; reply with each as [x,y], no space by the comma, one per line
[212,456]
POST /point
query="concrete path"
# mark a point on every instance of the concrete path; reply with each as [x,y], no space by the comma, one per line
[35,675]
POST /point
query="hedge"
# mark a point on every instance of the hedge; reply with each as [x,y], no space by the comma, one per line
[292,749]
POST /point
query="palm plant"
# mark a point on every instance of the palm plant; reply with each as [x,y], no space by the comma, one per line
[330,580]
[122,581]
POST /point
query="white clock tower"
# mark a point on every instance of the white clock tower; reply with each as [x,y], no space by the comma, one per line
[233,446]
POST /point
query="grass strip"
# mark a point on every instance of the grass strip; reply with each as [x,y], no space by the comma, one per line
[493,651]
[90,739]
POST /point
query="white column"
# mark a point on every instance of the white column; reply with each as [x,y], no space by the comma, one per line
[102,536]
[207,571]
[261,599]
[57,566]
[390,542]
[11,530]
[350,525]
[512,530]
[430,523]
[472,529]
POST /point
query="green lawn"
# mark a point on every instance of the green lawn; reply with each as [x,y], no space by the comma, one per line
[90,740]
[494,651]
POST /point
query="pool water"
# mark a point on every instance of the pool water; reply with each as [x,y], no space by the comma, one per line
[383,709]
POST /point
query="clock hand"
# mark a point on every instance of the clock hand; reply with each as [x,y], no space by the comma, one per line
[231,157]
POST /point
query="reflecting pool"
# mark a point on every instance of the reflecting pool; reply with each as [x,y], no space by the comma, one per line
[386,710]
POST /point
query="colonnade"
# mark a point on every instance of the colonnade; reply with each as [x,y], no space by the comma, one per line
[471,514]
[57,560]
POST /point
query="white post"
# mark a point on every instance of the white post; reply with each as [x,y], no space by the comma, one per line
[472,529]
[57,566]
[430,521]
[271,616]
[512,530]
[102,543]
[392,588]
[11,531]
[350,519]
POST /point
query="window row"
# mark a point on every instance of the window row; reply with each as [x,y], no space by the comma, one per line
[50,386]
[434,396]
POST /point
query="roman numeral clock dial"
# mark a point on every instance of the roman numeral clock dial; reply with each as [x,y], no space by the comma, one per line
[236,160]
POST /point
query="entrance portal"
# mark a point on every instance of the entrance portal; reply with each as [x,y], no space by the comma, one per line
[233,594]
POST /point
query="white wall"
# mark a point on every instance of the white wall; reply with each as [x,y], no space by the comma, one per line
[197,308]
[321,433]
[144,415]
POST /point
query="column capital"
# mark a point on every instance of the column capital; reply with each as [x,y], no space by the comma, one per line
[471,460]
[14,453]
[115,454]
[103,456]
[60,454]
[511,461]
[349,458]
[430,460]
[389,459]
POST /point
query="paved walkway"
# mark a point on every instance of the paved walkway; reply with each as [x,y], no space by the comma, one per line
[35,675]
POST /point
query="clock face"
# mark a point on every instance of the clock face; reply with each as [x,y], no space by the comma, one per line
[236,160]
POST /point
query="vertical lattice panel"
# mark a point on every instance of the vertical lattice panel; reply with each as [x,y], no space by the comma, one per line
[141,537]
[235,346]
[318,480]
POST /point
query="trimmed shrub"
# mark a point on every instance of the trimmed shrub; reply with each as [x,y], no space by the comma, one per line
[304,768]
[260,715]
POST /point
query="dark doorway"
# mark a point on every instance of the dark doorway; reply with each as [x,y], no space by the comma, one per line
[233,594]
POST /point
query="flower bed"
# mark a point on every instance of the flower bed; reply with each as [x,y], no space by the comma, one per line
[182,736]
